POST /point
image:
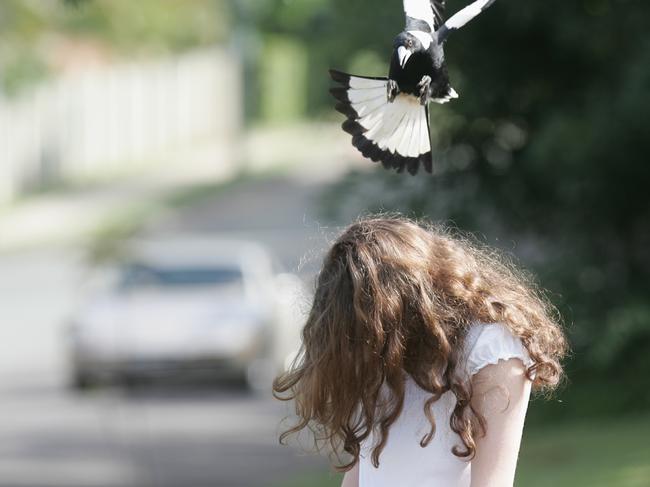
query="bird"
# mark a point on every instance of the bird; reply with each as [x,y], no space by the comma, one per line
[388,117]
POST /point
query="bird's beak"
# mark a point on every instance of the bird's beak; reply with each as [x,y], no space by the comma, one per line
[403,54]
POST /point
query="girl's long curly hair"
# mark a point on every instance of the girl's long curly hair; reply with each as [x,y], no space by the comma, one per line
[394,297]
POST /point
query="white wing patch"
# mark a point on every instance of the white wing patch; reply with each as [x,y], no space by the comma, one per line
[463,16]
[421,10]
[423,37]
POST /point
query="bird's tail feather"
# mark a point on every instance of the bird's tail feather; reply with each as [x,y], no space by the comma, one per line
[395,134]
[451,95]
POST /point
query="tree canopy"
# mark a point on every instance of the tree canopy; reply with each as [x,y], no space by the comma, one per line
[544,152]
[30,30]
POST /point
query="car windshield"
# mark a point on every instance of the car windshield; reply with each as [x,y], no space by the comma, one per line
[140,275]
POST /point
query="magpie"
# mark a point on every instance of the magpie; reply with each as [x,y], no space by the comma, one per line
[388,118]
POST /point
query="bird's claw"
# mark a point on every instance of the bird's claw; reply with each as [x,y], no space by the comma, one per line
[392,90]
[423,86]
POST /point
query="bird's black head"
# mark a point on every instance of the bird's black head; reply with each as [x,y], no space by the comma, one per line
[407,43]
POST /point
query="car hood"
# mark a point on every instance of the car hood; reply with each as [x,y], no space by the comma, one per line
[170,324]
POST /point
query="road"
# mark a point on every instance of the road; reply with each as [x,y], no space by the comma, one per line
[50,436]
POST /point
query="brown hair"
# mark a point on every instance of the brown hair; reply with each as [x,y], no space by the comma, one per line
[396,297]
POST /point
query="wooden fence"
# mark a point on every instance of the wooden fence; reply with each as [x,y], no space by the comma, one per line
[109,120]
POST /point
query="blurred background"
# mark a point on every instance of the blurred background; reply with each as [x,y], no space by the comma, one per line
[171,172]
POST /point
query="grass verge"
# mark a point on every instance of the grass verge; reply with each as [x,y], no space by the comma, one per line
[595,453]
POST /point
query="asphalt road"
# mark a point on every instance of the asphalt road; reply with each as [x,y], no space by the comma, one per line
[207,436]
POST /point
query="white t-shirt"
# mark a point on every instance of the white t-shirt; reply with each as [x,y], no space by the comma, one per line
[403,462]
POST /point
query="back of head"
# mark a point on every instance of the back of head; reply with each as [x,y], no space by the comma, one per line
[393,298]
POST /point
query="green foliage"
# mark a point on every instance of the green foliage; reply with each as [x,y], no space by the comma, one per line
[30,31]
[545,154]
[22,67]
[148,24]
[283,79]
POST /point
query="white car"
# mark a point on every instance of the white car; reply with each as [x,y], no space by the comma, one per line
[186,305]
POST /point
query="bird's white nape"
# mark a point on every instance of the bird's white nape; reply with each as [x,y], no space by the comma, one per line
[423,37]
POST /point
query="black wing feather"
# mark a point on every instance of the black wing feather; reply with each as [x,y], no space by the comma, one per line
[438,7]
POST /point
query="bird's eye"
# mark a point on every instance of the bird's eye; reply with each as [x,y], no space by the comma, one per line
[410,43]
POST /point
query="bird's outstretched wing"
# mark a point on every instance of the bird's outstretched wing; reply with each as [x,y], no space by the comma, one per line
[438,7]
[395,134]
[460,18]
[424,15]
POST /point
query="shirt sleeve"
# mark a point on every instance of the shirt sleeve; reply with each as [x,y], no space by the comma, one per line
[487,344]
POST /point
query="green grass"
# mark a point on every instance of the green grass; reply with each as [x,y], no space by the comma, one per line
[598,453]
[594,453]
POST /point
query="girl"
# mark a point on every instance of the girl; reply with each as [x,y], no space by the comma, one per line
[418,358]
